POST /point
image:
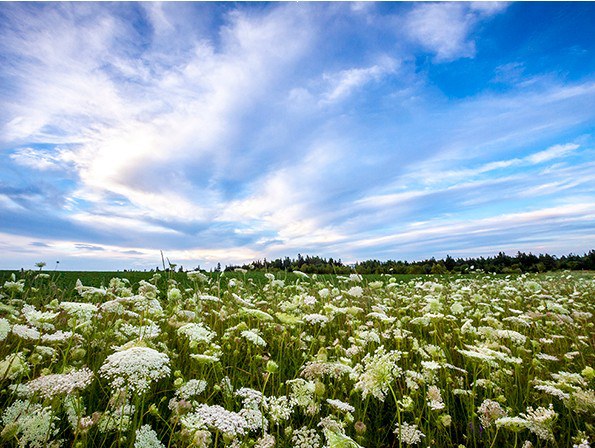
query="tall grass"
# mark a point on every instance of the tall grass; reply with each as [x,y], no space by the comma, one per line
[297,361]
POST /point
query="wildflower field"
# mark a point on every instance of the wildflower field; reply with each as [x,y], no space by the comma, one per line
[278,360]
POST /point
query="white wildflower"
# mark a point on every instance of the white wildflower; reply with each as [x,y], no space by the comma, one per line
[337,439]
[146,437]
[457,308]
[324,293]
[315,318]
[49,386]
[206,359]
[314,369]
[39,319]
[251,399]
[254,419]
[514,336]
[58,336]
[217,418]
[191,389]
[266,441]
[355,291]
[305,437]
[434,398]
[340,405]
[546,357]
[376,372]
[489,411]
[34,423]
[552,390]
[148,331]
[254,337]
[515,424]
[197,333]
[256,313]
[135,368]
[409,434]
[14,287]
[302,392]
[174,294]
[278,408]
[197,276]
[540,421]
[80,310]
[4,329]
[430,365]
[207,298]
[26,332]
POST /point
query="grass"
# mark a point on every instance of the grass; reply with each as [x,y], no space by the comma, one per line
[444,361]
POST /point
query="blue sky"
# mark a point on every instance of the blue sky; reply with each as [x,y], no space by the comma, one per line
[237,131]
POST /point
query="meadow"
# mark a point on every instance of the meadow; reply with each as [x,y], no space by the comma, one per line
[261,360]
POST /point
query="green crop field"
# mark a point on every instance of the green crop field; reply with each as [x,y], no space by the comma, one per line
[247,359]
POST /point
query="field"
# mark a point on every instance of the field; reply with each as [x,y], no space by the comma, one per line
[290,360]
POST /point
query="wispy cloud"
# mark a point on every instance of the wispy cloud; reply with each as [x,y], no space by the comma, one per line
[444,28]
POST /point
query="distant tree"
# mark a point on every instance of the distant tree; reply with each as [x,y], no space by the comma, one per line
[439,268]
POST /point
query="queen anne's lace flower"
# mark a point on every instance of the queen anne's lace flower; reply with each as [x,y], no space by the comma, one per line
[435,398]
[409,434]
[377,372]
[33,423]
[191,389]
[355,291]
[58,336]
[489,411]
[305,437]
[80,310]
[39,319]
[217,418]
[135,368]
[196,333]
[49,386]
[254,337]
[26,332]
[540,421]
[4,329]
[147,438]
[254,419]
[278,408]
[266,441]
[251,398]
[340,405]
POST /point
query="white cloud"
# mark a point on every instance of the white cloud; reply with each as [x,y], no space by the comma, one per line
[343,83]
[441,230]
[137,138]
[444,28]
[551,153]
[118,224]
[36,159]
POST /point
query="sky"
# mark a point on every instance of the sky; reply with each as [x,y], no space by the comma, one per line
[230,132]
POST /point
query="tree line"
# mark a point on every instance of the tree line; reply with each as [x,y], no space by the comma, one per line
[499,264]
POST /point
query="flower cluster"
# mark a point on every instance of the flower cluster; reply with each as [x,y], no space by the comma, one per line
[135,368]
[49,386]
